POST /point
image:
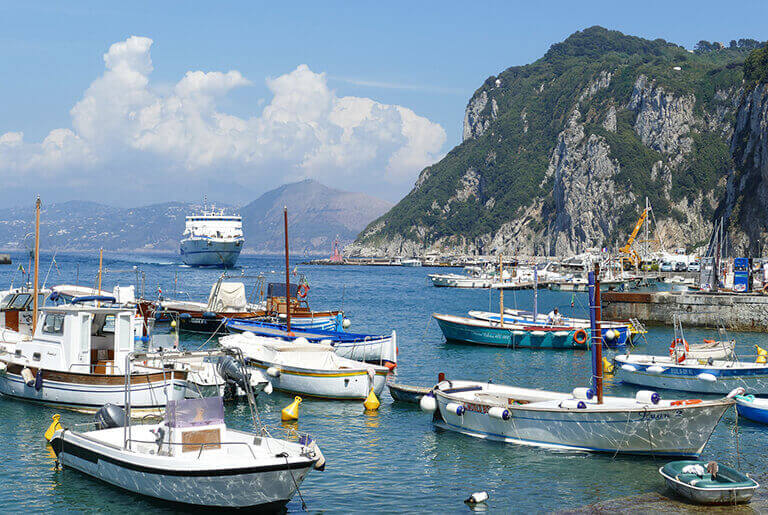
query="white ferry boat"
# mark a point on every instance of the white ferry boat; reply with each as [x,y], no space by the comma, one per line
[212,239]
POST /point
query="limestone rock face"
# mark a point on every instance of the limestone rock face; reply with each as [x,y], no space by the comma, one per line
[476,118]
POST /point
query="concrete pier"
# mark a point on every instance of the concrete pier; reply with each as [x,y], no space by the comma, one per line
[735,311]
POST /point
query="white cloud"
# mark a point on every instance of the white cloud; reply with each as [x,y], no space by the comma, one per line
[178,134]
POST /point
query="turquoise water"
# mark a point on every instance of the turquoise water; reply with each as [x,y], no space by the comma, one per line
[394,460]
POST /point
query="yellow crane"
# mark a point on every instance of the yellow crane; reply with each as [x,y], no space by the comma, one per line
[632,256]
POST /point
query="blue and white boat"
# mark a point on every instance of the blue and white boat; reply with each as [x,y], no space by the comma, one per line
[614,334]
[380,349]
[212,239]
[495,334]
[752,407]
[691,375]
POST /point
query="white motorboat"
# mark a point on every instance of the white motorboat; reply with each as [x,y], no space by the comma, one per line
[191,457]
[410,262]
[76,359]
[715,349]
[644,424]
[304,368]
[473,277]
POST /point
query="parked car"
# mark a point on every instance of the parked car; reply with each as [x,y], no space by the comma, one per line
[667,266]
[680,267]
[694,267]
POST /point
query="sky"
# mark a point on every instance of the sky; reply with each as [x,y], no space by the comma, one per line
[135,103]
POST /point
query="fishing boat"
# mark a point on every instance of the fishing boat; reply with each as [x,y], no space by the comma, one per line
[309,369]
[615,334]
[379,349]
[407,393]
[753,408]
[191,457]
[17,308]
[708,482]
[512,335]
[644,424]
[715,349]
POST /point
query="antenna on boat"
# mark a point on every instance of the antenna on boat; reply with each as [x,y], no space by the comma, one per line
[37,261]
[287,274]
[594,322]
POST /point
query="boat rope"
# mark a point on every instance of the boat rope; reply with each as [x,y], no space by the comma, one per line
[215,332]
[298,490]
[625,432]
[736,436]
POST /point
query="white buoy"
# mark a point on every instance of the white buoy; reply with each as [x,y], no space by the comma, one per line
[477,498]
[273,372]
[610,335]
[346,323]
[428,403]
[709,378]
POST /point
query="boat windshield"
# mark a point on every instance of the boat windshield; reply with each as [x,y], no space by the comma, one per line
[195,412]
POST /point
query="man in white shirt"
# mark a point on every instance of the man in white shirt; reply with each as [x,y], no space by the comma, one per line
[553,317]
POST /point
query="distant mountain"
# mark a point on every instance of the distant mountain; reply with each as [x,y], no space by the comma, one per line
[317,214]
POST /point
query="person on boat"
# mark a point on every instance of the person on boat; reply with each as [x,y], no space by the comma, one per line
[553,317]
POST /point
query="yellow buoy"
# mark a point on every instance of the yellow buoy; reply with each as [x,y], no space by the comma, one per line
[291,412]
[371,402]
[760,359]
[761,351]
[607,366]
[55,426]
[173,323]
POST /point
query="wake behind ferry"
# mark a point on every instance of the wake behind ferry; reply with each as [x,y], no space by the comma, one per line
[212,239]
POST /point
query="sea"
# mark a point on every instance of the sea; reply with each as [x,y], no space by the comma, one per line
[392,460]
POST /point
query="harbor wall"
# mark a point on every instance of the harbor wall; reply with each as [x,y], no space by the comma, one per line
[738,312]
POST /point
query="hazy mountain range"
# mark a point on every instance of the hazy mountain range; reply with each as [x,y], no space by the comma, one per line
[317,215]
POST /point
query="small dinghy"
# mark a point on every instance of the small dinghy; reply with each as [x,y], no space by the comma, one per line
[407,393]
[708,482]
[753,408]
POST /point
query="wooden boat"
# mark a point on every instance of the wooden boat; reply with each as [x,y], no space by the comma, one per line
[16,309]
[691,375]
[752,408]
[191,457]
[379,349]
[309,369]
[407,393]
[76,359]
[614,334]
[644,424]
[485,332]
[693,480]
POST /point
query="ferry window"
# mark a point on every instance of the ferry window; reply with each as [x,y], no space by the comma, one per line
[20,301]
[53,323]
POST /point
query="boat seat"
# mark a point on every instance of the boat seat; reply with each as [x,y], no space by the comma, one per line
[192,440]
[706,481]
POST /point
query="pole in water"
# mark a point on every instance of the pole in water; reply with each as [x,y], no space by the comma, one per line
[535,292]
[287,274]
[35,304]
[501,291]
[592,327]
[598,337]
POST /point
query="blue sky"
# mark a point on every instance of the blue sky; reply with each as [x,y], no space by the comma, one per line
[427,57]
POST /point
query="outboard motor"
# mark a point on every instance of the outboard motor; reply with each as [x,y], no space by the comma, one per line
[231,372]
[109,416]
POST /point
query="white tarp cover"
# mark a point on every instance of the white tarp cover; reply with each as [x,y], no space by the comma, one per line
[231,297]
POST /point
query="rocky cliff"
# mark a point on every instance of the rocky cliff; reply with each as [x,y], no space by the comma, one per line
[560,155]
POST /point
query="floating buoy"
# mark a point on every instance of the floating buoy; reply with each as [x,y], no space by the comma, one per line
[428,403]
[477,498]
[173,323]
[371,402]
[55,426]
[291,412]
[346,323]
[607,366]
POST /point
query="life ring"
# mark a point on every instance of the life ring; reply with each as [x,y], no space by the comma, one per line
[303,290]
[685,402]
[674,344]
[580,337]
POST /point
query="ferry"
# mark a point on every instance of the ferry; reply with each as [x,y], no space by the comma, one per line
[212,239]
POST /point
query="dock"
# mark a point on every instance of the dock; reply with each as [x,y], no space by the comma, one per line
[735,311]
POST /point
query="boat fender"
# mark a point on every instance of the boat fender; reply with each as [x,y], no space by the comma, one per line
[610,335]
[39,380]
[346,323]
[3,368]
[320,462]
[28,376]
[736,391]
[428,403]
[499,412]
[185,316]
[573,404]
[273,372]
[518,332]
[707,377]
[209,314]
[539,333]
[655,369]
[580,337]
[583,393]
[647,397]
[628,368]
[268,389]
[560,333]
[454,407]
[477,498]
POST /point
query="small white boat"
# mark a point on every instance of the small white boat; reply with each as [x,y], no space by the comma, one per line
[712,349]
[708,482]
[410,262]
[473,277]
[309,369]
[644,424]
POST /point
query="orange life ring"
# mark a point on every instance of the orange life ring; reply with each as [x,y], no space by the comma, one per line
[580,337]
[685,402]
[674,344]
[303,290]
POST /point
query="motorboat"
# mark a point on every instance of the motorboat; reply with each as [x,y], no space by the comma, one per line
[473,277]
[410,262]
[309,369]
[191,457]
[17,309]
[644,424]
[75,359]
[510,335]
[379,349]
[752,408]
[708,482]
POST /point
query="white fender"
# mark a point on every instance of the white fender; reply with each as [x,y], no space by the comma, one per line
[499,412]
[583,393]
[273,372]
[268,389]
[647,397]
[455,407]
[655,369]
[628,368]
[736,391]
[428,403]
[709,378]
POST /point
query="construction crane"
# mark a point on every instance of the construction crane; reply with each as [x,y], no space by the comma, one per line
[632,256]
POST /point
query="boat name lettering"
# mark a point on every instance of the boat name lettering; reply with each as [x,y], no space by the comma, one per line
[647,415]
[477,408]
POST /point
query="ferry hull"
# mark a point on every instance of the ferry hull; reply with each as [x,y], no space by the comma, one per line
[210,252]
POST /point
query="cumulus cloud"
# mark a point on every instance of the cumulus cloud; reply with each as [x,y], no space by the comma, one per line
[304,131]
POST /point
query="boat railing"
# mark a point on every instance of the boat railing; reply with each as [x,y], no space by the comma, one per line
[202,445]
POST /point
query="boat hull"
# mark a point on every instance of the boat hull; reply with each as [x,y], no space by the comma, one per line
[512,337]
[756,410]
[233,488]
[407,393]
[90,392]
[210,252]
[709,493]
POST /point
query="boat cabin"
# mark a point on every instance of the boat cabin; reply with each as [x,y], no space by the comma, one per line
[276,299]
[81,339]
[16,309]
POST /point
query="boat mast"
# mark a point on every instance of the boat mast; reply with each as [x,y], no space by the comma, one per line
[535,292]
[287,273]
[98,287]
[37,260]
[501,290]
[597,344]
